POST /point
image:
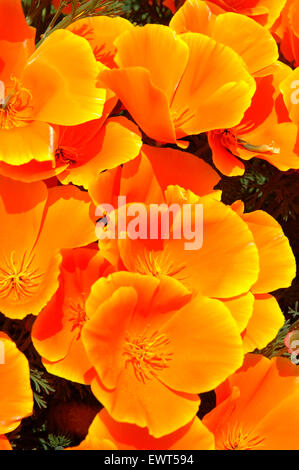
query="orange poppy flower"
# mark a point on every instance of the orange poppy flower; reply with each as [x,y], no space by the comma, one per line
[16,398]
[257,315]
[168,95]
[251,41]
[286,30]
[55,85]
[36,224]
[225,266]
[152,352]
[56,333]
[265,131]
[107,434]
[264,12]
[257,407]
[80,152]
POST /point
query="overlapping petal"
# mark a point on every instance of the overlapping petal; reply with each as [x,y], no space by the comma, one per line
[137,355]
[105,433]
[167,95]
[237,31]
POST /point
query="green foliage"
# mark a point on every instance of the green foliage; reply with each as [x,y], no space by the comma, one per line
[41,386]
[252,181]
[54,442]
[294,312]
[146,12]
[42,15]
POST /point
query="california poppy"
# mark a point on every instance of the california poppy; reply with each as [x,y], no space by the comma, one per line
[167,94]
[257,407]
[53,85]
[151,349]
[56,333]
[107,434]
[265,131]
[257,314]
[224,266]
[36,224]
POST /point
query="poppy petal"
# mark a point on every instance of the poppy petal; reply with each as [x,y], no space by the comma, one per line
[277,262]
[214,100]
[267,319]
[146,103]
[67,94]
[201,333]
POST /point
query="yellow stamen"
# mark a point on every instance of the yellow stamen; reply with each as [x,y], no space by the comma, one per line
[236,438]
[149,354]
[19,280]
[78,316]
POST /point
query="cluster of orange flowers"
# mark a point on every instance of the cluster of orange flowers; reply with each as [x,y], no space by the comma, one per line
[147,324]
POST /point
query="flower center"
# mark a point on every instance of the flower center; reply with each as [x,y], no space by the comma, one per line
[239,439]
[159,263]
[65,155]
[104,56]
[148,354]
[78,317]
[18,279]
[231,142]
[15,108]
